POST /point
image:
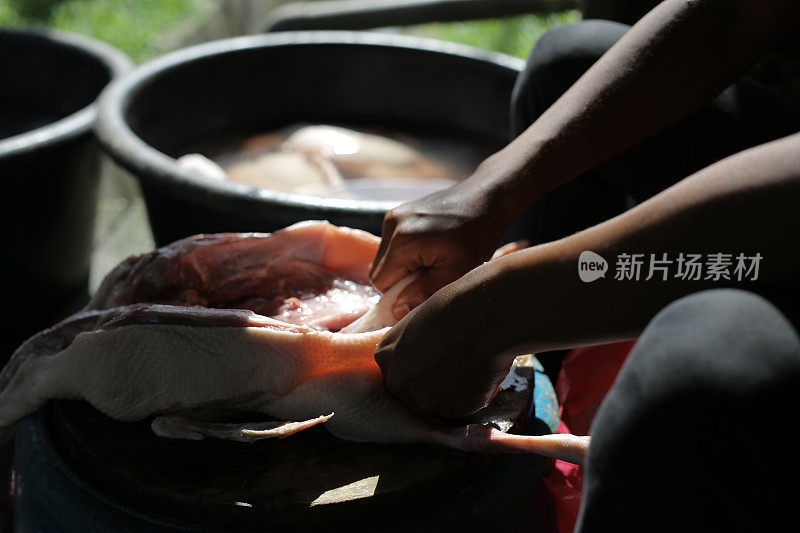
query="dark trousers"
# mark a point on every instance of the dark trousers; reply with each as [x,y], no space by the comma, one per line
[693,434]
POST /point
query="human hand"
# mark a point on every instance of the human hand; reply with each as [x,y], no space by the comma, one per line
[449,356]
[444,235]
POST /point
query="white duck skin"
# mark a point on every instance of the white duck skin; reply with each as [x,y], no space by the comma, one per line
[132,359]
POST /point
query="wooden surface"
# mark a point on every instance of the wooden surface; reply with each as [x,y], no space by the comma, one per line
[309,479]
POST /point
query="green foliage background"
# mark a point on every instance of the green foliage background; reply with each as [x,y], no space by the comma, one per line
[512,35]
[133,26]
[136,26]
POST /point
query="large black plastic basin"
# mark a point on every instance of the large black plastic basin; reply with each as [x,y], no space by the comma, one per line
[264,82]
[48,168]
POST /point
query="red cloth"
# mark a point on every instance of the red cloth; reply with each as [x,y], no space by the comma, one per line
[585,378]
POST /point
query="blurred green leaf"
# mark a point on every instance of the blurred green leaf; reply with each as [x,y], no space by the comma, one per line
[512,35]
[134,26]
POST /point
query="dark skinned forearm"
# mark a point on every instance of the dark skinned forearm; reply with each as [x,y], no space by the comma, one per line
[744,204]
[668,65]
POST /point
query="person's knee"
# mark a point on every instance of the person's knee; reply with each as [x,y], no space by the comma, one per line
[721,352]
[732,337]
[708,372]
[558,59]
[721,355]
[575,44]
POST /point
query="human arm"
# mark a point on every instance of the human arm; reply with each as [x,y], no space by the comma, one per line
[449,355]
[668,65]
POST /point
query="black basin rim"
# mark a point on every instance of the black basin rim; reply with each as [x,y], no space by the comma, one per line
[130,151]
[81,121]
